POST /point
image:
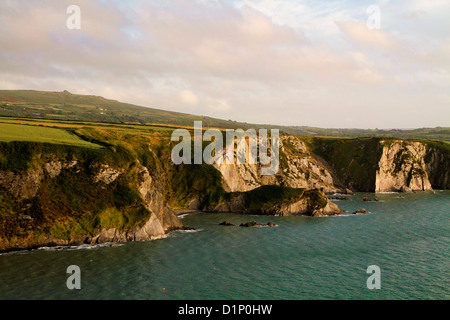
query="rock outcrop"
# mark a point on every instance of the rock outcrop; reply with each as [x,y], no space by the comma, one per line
[107,174]
[22,185]
[154,202]
[306,202]
[402,167]
[299,168]
[151,230]
[25,187]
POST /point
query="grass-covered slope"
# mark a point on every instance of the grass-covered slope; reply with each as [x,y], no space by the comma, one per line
[17,132]
[68,106]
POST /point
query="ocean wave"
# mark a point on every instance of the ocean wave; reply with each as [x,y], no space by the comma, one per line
[388,192]
[64,248]
[188,231]
[81,247]
[187,213]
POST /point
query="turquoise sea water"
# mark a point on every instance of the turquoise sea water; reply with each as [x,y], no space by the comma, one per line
[302,258]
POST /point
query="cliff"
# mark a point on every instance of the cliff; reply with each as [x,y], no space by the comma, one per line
[402,167]
[71,197]
[437,164]
[299,168]
[412,166]
[342,165]
[354,162]
[128,188]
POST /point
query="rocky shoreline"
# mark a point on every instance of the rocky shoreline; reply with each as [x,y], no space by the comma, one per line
[75,197]
[105,236]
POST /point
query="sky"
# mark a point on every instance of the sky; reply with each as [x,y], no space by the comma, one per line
[330,64]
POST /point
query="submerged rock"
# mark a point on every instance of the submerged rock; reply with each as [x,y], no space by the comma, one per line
[251,224]
[226,223]
[365,199]
[361,211]
[257,224]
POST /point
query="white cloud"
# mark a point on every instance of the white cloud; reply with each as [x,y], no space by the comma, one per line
[361,34]
[188,97]
[283,62]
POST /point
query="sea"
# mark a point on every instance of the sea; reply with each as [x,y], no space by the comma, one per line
[397,251]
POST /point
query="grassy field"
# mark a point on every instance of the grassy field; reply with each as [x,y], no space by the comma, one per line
[59,106]
[20,132]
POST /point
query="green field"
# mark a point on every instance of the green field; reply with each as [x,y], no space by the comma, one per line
[63,106]
[17,132]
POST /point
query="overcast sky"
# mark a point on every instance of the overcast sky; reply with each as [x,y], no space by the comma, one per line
[288,62]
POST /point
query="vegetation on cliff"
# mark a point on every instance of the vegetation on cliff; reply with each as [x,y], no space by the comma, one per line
[354,161]
[437,161]
[275,200]
[69,205]
[268,196]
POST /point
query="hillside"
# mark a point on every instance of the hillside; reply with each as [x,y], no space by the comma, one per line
[68,106]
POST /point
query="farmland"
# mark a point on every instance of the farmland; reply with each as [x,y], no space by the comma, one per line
[21,132]
[85,109]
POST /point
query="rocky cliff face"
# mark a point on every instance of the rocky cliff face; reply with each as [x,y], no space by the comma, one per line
[151,230]
[154,202]
[279,201]
[299,168]
[337,165]
[32,217]
[402,167]
[437,165]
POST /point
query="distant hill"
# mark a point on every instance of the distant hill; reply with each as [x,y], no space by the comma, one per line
[67,106]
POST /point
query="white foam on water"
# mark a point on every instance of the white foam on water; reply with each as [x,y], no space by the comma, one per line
[66,248]
[188,231]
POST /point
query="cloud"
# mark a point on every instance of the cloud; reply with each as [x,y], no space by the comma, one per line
[362,35]
[281,62]
[188,97]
